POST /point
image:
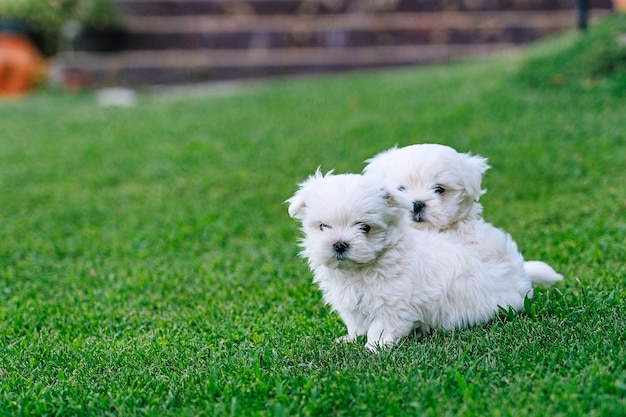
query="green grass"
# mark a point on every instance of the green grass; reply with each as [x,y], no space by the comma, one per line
[597,58]
[148,265]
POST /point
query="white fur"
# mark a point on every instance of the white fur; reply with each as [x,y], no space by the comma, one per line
[422,171]
[393,279]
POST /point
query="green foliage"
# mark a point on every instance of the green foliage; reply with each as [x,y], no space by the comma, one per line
[99,14]
[596,57]
[148,265]
[43,16]
[47,17]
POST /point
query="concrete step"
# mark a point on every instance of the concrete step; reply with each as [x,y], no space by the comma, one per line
[183,41]
[188,66]
[322,7]
[191,32]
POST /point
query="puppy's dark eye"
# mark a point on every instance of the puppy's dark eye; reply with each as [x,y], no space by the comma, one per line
[365,228]
[401,188]
[439,189]
[325,226]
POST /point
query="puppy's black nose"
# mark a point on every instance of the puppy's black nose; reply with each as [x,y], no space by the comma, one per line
[341,247]
[418,206]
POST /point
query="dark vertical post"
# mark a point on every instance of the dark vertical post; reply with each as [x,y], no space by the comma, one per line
[583,9]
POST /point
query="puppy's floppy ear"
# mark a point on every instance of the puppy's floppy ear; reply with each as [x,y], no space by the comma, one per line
[474,167]
[298,202]
[296,205]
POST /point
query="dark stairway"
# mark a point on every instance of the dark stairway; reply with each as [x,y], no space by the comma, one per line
[189,41]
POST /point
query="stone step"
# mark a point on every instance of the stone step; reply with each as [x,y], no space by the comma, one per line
[249,31]
[349,21]
[188,66]
[185,41]
[321,7]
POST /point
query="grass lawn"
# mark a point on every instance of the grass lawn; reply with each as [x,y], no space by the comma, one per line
[148,265]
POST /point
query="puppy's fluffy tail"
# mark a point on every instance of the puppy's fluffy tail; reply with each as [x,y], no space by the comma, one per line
[540,273]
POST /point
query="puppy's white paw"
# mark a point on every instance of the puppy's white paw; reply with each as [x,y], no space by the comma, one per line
[373,347]
[345,339]
[378,346]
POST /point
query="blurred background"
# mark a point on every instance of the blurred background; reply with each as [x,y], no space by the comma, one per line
[79,44]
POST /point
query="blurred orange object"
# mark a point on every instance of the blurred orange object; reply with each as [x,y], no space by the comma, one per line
[21,66]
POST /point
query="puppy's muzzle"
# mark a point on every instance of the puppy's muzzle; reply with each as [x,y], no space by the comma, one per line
[341,249]
[418,211]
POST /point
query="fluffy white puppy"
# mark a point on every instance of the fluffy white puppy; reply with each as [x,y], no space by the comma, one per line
[444,187]
[386,279]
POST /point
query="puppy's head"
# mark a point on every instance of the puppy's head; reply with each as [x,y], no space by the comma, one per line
[443,184]
[348,220]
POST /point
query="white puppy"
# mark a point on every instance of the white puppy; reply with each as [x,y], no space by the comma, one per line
[444,186]
[386,279]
